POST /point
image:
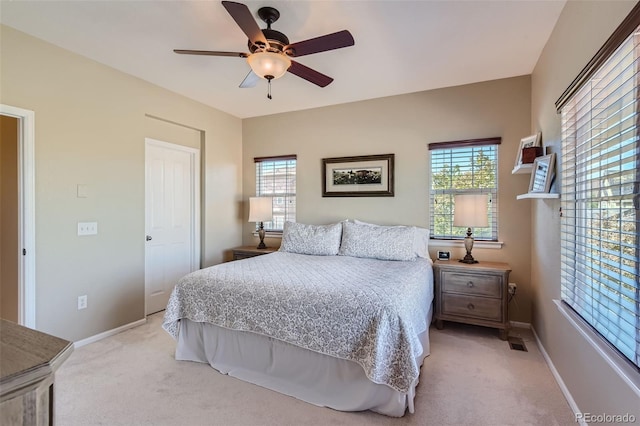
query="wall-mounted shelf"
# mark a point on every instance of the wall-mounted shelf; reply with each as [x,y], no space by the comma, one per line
[522,169]
[537,195]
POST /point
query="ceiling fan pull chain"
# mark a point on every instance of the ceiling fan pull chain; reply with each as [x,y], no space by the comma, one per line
[269,90]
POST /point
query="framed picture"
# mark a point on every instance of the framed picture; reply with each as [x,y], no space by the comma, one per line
[542,173]
[529,141]
[363,176]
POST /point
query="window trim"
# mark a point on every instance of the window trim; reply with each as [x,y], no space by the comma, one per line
[272,233]
[497,140]
[628,26]
[611,356]
[493,243]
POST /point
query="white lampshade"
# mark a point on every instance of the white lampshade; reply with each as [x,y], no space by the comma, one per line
[271,64]
[470,210]
[260,209]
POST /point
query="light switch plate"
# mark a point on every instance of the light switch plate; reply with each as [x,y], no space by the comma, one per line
[82,191]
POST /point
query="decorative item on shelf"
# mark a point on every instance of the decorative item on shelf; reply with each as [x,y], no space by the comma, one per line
[528,142]
[530,153]
[543,173]
[260,210]
[470,210]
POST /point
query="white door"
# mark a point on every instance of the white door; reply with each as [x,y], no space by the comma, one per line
[171,223]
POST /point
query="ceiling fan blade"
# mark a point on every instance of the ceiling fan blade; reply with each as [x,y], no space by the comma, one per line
[250,80]
[309,74]
[210,53]
[320,44]
[243,17]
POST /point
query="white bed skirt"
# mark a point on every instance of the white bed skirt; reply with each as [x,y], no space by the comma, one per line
[310,376]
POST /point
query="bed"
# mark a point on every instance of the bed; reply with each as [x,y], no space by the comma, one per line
[339,317]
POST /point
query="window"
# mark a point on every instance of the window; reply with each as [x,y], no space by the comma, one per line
[276,177]
[600,205]
[463,167]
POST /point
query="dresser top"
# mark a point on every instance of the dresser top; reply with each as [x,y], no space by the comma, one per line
[487,266]
[253,249]
[28,355]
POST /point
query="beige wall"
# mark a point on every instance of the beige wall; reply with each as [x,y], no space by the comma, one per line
[9,218]
[90,125]
[582,28]
[404,125]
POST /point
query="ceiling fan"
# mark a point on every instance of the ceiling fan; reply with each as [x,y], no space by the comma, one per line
[270,50]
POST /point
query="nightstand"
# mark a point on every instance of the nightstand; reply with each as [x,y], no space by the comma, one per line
[472,294]
[251,251]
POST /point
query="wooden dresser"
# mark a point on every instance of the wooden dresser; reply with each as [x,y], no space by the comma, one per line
[251,251]
[28,361]
[473,294]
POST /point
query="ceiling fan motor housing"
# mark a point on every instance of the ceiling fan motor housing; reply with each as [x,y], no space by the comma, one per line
[277,41]
[270,50]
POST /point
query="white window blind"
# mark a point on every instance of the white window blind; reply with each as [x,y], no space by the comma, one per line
[600,186]
[276,177]
[463,167]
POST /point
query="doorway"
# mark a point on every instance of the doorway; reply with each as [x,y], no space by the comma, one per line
[172,207]
[20,209]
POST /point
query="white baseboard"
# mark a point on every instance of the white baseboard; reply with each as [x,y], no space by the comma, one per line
[108,333]
[556,375]
[518,324]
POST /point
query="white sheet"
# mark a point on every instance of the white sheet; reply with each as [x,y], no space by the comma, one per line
[309,376]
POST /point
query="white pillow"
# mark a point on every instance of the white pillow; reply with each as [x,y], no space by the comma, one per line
[319,240]
[420,242]
[377,242]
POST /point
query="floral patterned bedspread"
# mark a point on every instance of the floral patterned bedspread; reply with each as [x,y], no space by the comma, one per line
[364,310]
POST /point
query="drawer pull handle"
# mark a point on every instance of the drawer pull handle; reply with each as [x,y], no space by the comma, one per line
[470,306]
[470,284]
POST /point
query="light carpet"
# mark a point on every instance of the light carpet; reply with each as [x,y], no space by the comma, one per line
[471,378]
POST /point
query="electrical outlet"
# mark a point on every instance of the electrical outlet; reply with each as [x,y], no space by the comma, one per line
[87,228]
[512,289]
[82,302]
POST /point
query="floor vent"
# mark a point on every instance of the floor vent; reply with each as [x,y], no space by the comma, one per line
[516,344]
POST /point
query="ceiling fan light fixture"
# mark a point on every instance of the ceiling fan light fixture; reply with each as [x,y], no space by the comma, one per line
[269,64]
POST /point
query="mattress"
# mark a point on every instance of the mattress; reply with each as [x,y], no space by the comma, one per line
[373,315]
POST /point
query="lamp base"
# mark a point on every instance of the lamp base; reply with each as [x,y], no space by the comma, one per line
[262,245]
[468,245]
[468,259]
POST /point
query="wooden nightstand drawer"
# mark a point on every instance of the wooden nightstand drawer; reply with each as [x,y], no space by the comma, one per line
[474,284]
[472,307]
[473,294]
[251,251]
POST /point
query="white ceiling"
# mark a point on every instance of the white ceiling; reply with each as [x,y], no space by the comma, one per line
[400,46]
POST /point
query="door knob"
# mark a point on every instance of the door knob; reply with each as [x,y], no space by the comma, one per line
[149,238]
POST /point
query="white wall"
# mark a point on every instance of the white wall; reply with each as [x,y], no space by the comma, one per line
[404,125]
[582,29]
[91,123]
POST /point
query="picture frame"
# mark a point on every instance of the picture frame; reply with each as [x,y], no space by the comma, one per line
[529,141]
[360,176]
[543,173]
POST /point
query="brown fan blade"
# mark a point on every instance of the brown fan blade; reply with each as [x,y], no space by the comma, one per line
[210,53]
[309,74]
[250,80]
[243,17]
[320,44]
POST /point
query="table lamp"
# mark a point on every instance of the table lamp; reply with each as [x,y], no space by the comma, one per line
[260,210]
[470,210]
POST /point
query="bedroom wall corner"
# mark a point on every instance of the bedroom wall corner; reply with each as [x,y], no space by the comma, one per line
[90,129]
